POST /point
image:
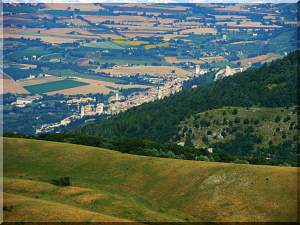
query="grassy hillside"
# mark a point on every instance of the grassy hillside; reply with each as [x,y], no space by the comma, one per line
[272,125]
[272,85]
[108,186]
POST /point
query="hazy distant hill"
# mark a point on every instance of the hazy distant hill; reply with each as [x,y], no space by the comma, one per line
[272,85]
[111,186]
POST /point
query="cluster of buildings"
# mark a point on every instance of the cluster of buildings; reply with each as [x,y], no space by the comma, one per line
[115,104]
[227,71]
[91,110]
[22,102]
[50,127]
[152,94]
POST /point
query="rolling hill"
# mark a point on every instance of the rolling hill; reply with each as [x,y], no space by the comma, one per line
[111,186]
[273,126]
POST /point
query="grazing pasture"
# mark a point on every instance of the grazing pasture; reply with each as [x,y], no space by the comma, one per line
[128,187]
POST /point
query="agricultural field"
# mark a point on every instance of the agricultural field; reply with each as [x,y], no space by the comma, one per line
[111,186]
[163,71]
[199,31]
[93,86]
[68,73]
[40,80]
[164,44]
[261,59]
[11,86]
[72,7]
[53,86]
[130,43]
[196,61]
[103,45]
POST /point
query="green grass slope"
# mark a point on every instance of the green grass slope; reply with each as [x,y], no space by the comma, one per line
[107,185]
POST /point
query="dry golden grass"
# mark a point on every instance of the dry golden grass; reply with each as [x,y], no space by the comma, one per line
[261,58]
[38,80]
[164,44]
[76,22]
[163,71]
[10,86]
[71,191]
[89,198]
[70,6]
[84,198]
[193,190]
[241,42]
[197,61]
[135,34]
[165,7]
[54,35]
[27,66]
[199,31]
[94,87]
[233,8]
[18,33]
[167,37]
[19,185]
[248,24]
[149,28]
[27,209]
[221,17]
[118,19]
[269,17]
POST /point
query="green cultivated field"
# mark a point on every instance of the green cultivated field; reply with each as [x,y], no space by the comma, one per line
[53,86]
[103,45]
[37,51]
[69,72]
[111,186]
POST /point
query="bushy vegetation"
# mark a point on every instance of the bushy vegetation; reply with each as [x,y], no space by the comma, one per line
[62,181]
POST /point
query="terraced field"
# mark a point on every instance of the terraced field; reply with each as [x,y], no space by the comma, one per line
[111,186]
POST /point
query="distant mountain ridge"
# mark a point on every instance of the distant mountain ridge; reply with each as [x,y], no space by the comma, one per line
[272,85]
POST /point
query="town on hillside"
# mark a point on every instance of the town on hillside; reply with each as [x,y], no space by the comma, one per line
[69,64]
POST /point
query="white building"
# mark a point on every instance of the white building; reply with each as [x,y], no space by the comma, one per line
[100,108]
[21,102]
[198,69]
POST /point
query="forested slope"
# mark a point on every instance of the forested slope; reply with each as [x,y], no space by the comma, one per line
[272,85]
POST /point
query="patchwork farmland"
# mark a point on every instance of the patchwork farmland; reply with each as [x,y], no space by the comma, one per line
[125,55]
